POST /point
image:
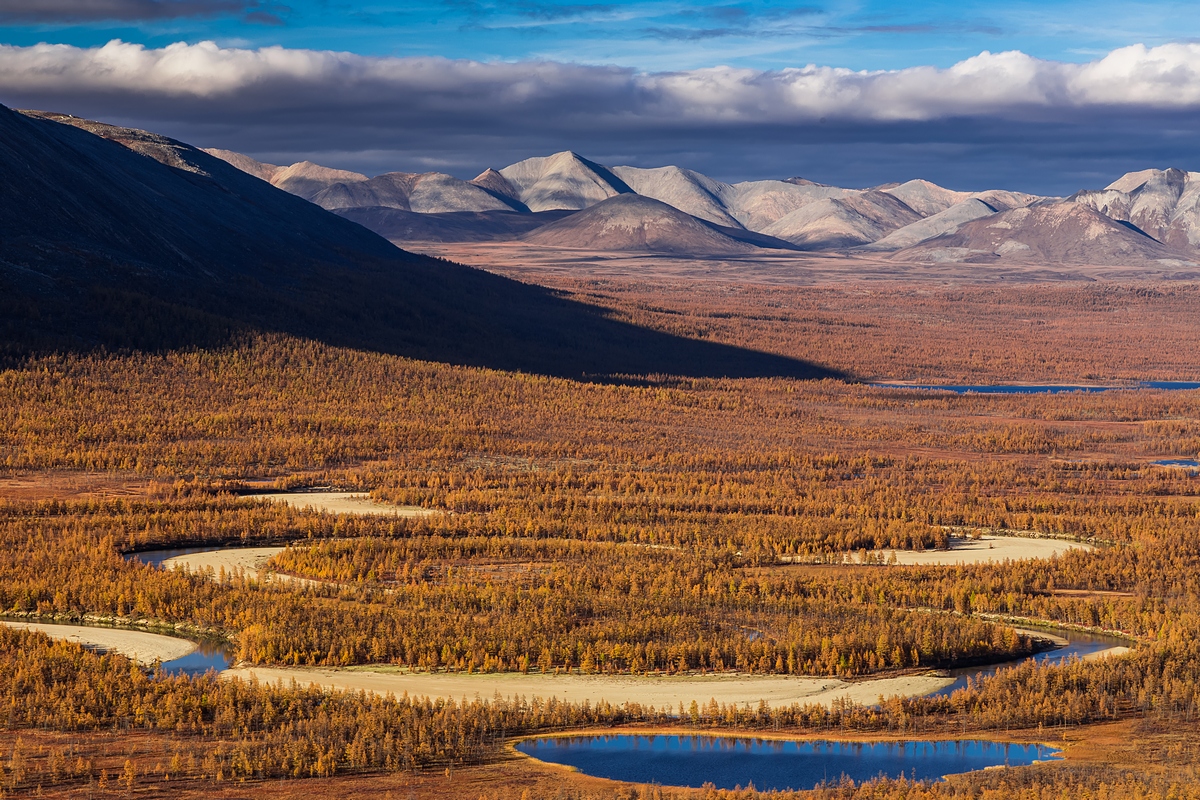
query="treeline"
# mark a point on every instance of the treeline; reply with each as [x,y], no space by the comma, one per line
[1056,783]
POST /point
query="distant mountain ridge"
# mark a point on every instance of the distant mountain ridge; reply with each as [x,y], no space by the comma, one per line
[1157,212]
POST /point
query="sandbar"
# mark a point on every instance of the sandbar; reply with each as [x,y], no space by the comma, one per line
[986,549]
[343,503]
[247,561]
[658,691]
[1111,652]
[145,648]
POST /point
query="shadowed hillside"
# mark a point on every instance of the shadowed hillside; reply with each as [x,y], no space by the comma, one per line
[117,238]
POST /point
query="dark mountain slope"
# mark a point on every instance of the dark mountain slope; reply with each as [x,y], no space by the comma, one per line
[118,238]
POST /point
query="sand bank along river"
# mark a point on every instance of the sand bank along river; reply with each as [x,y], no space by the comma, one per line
[343,503]
[671,690]
[962,550]
[660,691]
[986,549]
[250,561]
[145,648]
[246,561]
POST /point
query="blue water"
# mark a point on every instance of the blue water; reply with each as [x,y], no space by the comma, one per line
[1190,463]
[1035,388]
[729,762]
[1170,384]
[210,655]
[1078,645]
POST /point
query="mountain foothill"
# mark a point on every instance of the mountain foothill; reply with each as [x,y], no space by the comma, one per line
[1151,217]
[117,239]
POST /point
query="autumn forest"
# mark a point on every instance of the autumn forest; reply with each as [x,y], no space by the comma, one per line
[622,526]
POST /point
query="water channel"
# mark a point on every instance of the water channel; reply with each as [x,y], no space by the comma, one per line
[1079,645]
[209,655]
[1042,388]
[729,762]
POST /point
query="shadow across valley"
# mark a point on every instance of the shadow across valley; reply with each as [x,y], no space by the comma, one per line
[117,239]
[449,313]
[422,308]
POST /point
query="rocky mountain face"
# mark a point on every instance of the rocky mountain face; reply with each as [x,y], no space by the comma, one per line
[1156,213]
[1163,203]
[1049,233]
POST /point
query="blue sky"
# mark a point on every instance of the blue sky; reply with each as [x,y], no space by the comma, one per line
[647,35]
[1047,97]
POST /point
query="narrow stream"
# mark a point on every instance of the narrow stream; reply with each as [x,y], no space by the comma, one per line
[1034,388]
[1079,645]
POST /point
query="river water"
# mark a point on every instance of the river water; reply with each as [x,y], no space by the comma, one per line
[1079,645]
[1036,388]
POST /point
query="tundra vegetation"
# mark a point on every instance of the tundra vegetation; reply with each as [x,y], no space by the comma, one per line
[648,524]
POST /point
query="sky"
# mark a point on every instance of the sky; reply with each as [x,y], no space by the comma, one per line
[1047,97]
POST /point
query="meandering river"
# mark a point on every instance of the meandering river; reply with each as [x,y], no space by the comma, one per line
[1033,388]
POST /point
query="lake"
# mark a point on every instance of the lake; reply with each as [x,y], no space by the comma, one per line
[729,762]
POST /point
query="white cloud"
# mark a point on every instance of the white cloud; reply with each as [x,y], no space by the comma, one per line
[996,119]
[278,79]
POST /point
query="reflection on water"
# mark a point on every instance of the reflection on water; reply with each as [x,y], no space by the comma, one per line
[209,655]
[729,762]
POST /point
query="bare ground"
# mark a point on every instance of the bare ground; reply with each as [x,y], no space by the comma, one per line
[145,648]
[343,503]
[658,691]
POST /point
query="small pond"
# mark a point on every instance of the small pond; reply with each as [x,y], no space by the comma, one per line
[1046,388]
[728,762]
[1182,463]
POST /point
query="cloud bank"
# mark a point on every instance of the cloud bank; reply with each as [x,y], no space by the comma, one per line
[59,11]
[361,109]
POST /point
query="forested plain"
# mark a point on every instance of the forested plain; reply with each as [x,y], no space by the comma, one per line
[633,525]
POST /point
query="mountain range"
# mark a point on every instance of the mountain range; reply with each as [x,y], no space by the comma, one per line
[567,201]
[119,239]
